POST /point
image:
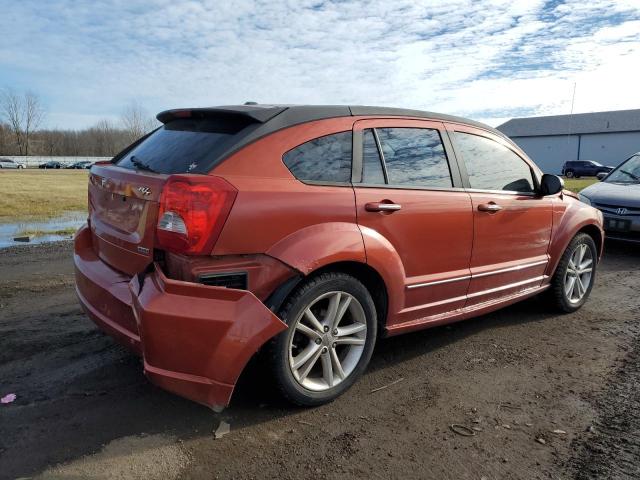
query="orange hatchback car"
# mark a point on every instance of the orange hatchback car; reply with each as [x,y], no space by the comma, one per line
[306,232]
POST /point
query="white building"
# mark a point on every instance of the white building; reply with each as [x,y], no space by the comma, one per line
[606,137]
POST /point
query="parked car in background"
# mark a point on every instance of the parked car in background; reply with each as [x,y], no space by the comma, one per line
[618,197]
[584,168]
[52,164]
[8,163]
[80,165]
[307,232]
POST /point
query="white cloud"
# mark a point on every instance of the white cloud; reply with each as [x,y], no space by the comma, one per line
[488,59]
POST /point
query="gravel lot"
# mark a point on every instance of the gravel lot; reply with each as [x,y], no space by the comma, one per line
[85,410]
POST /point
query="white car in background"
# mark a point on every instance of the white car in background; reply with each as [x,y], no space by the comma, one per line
[8,163]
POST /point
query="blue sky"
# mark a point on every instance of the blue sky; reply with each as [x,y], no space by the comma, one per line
[485,59]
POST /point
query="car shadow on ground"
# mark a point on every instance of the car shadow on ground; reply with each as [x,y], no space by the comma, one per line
[111,398]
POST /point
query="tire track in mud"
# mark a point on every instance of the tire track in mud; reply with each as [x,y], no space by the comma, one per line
[610,448]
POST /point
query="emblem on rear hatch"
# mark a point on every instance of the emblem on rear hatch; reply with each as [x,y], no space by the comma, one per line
[144,190]
[143,250]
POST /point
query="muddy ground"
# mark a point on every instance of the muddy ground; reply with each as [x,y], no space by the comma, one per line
[85,410]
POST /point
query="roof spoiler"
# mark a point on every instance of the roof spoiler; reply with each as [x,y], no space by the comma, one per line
[248,113]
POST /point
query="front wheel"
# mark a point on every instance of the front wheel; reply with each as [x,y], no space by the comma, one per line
[332,331]
[573,279]
[569,174]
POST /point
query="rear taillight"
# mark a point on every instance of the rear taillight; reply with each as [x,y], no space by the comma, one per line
[193,209]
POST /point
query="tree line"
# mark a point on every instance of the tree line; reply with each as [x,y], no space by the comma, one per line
[22,115]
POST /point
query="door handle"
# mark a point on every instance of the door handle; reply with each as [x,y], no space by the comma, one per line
[384,206]
[489,207]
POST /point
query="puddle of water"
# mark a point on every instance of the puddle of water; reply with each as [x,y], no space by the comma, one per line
[10,230]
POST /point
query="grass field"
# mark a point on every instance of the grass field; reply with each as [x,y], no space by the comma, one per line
[575,185]
[36,232]
[32,195]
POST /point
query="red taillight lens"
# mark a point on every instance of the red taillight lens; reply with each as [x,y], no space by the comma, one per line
[193,209]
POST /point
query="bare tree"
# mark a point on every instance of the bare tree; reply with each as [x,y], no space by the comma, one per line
[50,141]
[4,139]
[12,113]
[33,116]
[24,114]
[136,121]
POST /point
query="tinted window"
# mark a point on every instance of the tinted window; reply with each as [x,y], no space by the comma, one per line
[324,159]
[414,156]
[492,166]
[371,166]
[181,145]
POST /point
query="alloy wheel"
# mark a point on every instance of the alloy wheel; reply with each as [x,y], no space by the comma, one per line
[328,341]
[577,278]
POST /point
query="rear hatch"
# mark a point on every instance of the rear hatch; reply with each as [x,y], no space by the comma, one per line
[123,213]
[125,195]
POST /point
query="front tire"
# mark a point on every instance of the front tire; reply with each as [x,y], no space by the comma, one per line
[569,174]
[332,331]
[573,280]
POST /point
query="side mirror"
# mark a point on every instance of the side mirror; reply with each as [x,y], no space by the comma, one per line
[550,184]
[601,175]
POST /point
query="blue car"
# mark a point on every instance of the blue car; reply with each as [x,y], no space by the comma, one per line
[584,168]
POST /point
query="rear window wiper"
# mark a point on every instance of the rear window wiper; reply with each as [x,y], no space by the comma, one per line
[140,164]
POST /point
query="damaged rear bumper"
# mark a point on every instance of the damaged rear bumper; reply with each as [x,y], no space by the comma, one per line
[195,340]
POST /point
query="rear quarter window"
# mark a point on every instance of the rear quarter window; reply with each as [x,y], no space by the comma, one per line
[325,159]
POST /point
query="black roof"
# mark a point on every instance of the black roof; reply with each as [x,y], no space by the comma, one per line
[260,120]
[288,115]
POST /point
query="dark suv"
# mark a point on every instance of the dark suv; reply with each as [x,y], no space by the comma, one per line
[584,168]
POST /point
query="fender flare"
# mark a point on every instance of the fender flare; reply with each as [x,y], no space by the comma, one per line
[319,245]
[384,258]
[566,227]
[342,242]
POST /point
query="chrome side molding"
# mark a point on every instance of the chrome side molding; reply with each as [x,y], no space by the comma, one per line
[478,275]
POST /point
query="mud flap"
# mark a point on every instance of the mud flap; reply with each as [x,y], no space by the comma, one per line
[197,339]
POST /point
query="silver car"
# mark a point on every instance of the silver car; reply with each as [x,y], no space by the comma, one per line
[618,197]
[8,163]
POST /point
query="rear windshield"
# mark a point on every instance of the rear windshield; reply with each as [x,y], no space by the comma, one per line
[183,145]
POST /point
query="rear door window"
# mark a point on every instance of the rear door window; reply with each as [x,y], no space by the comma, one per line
[182,145]
[325,159]
[414,157]
[371,163]
[492,166]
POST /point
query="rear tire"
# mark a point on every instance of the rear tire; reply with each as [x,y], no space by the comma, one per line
[573,279]
[332,331]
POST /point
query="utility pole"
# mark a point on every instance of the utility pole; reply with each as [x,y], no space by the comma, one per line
[573,99]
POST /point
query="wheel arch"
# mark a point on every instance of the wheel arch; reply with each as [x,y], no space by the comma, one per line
[364,273]
[561,241]
[595,233]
